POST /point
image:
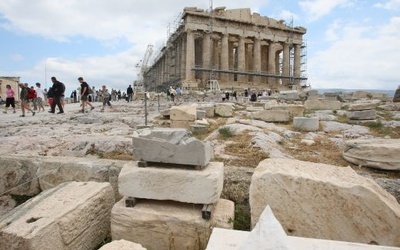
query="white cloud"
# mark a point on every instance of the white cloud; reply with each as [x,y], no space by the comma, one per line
[138,22]
[17,57]
[288,16]
[389,5]
[331,34]
[357,60]
[316,9]
[134,20]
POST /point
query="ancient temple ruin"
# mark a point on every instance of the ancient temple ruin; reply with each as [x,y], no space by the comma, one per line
[237,48]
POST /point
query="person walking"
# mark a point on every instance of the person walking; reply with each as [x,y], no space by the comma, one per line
[106,97]
[40,97]
[58,90]
[84,94]
[129,92]
[178,93]
[10,100]
[172,93]
[24,100]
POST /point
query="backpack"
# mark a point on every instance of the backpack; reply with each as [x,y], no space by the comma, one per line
[62,88]
[31,93]
[90,90]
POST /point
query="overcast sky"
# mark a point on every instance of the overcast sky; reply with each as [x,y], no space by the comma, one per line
[351,44]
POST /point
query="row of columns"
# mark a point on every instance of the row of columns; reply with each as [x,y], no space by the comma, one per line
[228,53]
[226,64]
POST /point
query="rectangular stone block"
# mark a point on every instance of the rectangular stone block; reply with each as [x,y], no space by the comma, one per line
[294,110]
[178,184]
[74,215]
[309,124]
[200,114]
[183,113]
[167,145]
[165,225]
[322,105]
[18,176]
[362,115]
[361,106]
[272,115]
[209,108]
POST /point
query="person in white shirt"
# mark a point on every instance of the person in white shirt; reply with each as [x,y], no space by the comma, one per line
[40,97]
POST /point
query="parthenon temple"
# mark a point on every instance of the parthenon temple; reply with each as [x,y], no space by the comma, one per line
[238,48]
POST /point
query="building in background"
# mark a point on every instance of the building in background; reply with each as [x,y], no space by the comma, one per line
[237,48]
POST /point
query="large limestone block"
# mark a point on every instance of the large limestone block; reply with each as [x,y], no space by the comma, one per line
[224,110]
[323,201]
[362,115]
[208,107]
[309,124]
[322,105]
[192,186]
[294,110]
[74,215]
[122,245]
[272,115]
[374,153]
[183,113]
[168,225]
[56,170]
[18,176]
[169,145]
[362,106]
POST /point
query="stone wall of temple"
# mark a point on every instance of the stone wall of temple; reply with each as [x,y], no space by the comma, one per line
[238,48]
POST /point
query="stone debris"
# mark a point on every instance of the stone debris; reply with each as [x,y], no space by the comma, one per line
[74,215]
[322,105]
[316,200]
[309,124]
[375,153]
[224,110]
[271,115]
[167,145]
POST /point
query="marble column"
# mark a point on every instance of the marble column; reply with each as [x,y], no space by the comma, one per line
[206,56]
[271,63]
[296,69]
[190,56]
[241,58]
[286,64]
[225,56]
[257,60]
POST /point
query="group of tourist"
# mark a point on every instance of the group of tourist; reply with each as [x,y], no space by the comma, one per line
[27,95]
[54,97]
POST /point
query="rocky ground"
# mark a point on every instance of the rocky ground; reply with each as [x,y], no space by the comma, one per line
[241,143]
